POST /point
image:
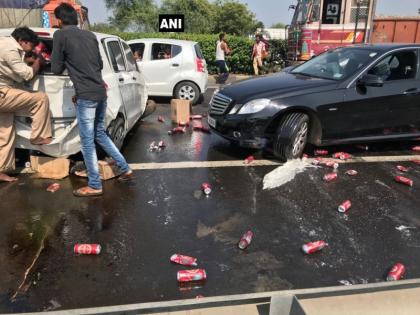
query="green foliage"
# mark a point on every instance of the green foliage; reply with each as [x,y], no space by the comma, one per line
[199,14]
[278,25]
[240,59]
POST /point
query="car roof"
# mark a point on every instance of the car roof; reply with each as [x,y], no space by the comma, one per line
[385,46]
[49,32]
[162,40]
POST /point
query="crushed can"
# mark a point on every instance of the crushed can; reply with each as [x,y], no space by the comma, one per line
[183,260]
[313,247]
[416,148]
[153,146]
[396,273]
[342,156]
[404,180]
[191,275]
[206,188]
[245,240]
[54,187]
[345,206]
[196,117]
[161,144]
[161,119]
[249,159]
[321,152]
[330,177]
[318,161]
[87,249]
[331,164]
[352,172]
[305,156]
[402,168]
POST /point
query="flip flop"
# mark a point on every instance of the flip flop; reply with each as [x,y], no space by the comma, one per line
[126,177]
[82,173]
[79,193]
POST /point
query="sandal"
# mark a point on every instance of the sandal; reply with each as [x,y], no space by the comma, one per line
[127,176]
[82,173]
[87,192]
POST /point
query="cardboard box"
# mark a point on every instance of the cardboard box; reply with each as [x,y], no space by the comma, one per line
[51,168]
[180,111]
[108,170]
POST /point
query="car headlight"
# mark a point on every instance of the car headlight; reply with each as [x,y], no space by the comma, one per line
[254,106]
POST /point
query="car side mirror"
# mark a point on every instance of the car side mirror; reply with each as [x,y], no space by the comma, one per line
[371,80]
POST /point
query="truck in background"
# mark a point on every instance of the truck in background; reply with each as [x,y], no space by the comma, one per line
[37,13]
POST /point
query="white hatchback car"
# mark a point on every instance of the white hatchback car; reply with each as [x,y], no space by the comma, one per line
[170,67]
[127,96]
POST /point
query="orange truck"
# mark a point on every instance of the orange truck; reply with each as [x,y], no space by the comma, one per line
[320,25]
[37,13]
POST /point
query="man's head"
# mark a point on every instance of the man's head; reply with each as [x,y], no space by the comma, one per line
[222,36]
[258,38]
[66,15]
[26,38]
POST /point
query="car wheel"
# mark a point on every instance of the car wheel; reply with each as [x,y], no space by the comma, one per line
[291,136]
[117,131]
[187,91]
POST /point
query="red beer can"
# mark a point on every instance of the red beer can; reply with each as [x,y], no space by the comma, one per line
[206,188]
[53,187]
[345,206]
[331,164]
[318,161]
[161,119]
[249,159]
[196,117]
[402,168]
[352,172]
[416,148]
[404,180]
[191,275]
[342,156]
[313,247]
[183,260]
[87,249]
[245,240]
[305,156]
[330,177]
[321,152]
[396,273]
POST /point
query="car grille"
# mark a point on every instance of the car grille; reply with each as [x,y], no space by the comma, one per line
[219,104]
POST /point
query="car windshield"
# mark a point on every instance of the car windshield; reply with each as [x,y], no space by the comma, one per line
[338,64]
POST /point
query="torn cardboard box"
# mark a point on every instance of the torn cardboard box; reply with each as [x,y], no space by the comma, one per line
[50,168]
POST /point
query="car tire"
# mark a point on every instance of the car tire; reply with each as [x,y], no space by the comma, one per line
[187,91]
[291,136]
[116,132]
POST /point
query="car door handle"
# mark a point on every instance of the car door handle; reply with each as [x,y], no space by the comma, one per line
[412,91]
[175,65]
[121,79]
[134,78]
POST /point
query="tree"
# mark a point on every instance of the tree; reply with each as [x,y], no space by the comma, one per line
[234,18]
[135,15]
[278,25]
[199,14]
[103,28]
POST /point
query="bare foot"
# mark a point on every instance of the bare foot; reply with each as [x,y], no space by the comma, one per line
[7,178]
[41,141]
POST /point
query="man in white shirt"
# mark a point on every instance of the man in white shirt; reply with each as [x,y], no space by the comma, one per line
[222,49]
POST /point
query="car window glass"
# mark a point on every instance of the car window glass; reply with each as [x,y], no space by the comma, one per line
[138,51]
[401,65]
[198,51]
[176,50]
[161,51]
[131,63]
[116,56]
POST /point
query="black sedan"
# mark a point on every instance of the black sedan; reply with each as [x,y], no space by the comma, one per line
[347,95]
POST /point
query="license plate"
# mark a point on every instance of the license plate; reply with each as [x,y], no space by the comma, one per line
[211,121]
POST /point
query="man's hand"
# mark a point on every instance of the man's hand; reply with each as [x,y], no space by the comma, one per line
[37,65]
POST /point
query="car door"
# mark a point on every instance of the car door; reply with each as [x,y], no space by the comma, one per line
[135,109]
[125,79]
[161,67]
[392,109]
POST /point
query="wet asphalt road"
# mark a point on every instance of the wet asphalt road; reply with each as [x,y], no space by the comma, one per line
[141,224]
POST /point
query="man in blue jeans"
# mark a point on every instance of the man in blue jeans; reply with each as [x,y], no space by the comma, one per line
[78,51]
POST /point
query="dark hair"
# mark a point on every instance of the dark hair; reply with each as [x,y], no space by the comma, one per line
[258,36]
[66,13]
[221,35]
[25,34]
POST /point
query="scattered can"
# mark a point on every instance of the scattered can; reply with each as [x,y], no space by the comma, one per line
[330,177]
[183,124]
[318,161]
[206,188]
[161,119]
[404,180]
[191,275]
[54,187]
[161,144]
[416,162]
[321,152]
[342,156]
[345,206]
[196,117]
[87,249]
[305,156]
[249,159]
[245,240]
[416,148]
[396,273]
[184,260]
[153,146]
[402,168]
[313,247]
[332,164]
[352,172]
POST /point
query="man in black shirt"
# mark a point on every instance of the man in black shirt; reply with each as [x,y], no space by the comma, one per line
[77,51]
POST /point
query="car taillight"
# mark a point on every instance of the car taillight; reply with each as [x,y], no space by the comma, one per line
[200,65]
